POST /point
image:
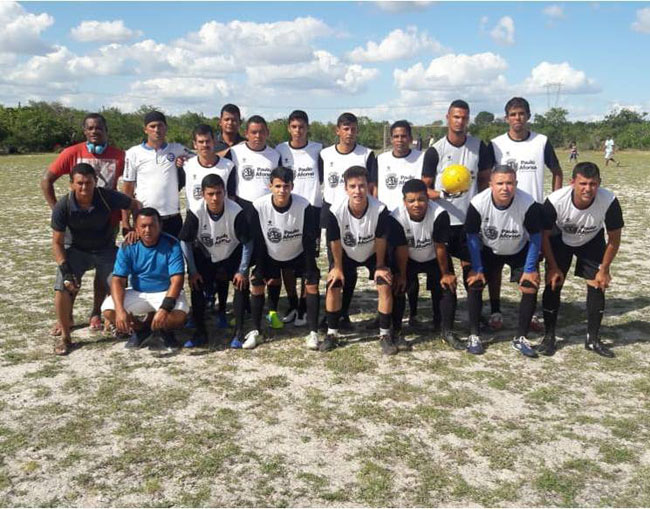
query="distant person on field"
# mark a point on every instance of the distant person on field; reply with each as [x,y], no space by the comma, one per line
[573,152]
[609,152]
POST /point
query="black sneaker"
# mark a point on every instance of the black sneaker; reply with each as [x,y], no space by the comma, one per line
[133,342]
[599,348]
[388,346]
[401,343]
[547,346]
[452,340]
[329,343]
[346,324]
[169,340]
[153,342]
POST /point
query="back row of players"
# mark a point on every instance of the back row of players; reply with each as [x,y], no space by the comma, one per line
[277,207]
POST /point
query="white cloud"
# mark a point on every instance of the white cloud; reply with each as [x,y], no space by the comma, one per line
[400,6]
[642,23]
[21,30]
[49,71]
[554,11]
[504,31]
[398,44]
[180,89]
[103,31]
[570,80]
[482,25]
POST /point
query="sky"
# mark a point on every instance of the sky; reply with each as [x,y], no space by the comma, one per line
[384,60]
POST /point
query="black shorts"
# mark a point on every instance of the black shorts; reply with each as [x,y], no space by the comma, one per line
[223,270]
[272,269]
[82,261]
[493,263]
[457,246]
[350,267]
[324,214]
[589,256]
[430,268]
[172,224]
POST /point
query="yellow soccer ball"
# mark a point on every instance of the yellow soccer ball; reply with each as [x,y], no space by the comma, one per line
[456,179]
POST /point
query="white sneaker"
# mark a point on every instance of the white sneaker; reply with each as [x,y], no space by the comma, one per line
[253,339]
[301,322]
[311,341]
[290,316]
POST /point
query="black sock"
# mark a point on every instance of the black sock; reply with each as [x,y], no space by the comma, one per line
[274,297]
[466,270]
[447,308]
[436,296]
[384,320]
[302,306]
[293,301]
[348,291]
[413,294]
[595,310]
[313,307]
[198,309]
[495,305]
[333,318]
[247,300]
[238,307]
[474,305]
[222,293]
[551,306]
[526,312]
[257,306]
[399,303]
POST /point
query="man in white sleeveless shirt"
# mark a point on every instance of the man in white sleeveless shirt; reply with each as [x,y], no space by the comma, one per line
[503,226]
[575,220]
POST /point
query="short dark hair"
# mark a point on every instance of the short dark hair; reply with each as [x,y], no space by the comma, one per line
[299,115]
[95,116]
[232,109]
[212,180]
[355,172]
[147,212]
[459,103]
[504,168]
[282,173]
[346,119]
[587,170]
[202,129]
[83,169]
[401,123]
[518,102]
[414,186]
[256,119]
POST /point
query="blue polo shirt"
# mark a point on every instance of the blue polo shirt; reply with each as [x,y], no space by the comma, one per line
[150,268]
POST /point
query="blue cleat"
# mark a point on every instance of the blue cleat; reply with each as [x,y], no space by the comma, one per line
[199,338]
[522,345]
[474,345]
[236,343]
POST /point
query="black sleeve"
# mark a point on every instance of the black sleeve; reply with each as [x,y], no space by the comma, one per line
[490,154]
[231,185]
[242,230]
[485,157]
[396,237]
[333,232]
[190,228]
[320,169]
[383,224]
[472,220]
[310,231]
[181,178]
[614,216]
[550,159]
[115,199]
[60,215]
[261,253]
[549,215]
[371,166]
[228,155]
[533,219]
[441,228]
[430,164]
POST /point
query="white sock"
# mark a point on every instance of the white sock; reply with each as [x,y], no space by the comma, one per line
[334,332]
[383,332]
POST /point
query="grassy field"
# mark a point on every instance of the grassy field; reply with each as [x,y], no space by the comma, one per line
[282,426]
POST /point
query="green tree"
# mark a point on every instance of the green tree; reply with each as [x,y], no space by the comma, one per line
[484,118]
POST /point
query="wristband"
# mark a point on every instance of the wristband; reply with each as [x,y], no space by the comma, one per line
[168,303]
[67,273]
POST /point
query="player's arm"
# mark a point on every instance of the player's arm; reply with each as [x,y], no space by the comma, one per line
[441,228]
[429,169]
[47,186]
[333,238]
[472,229]
[187,236]
[551,161]
[485,165]
[397,241]
[242,231]
[371,166]
[384,224]
[534,225]
[554,276]
[121,272]
[128,188]
[176,269]
[614,225]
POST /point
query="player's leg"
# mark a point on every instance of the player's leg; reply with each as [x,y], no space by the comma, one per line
[447,305]
[494,288]
[413,295]
[385,310]
[475,302]
[526,304]
[257,287]
[206,269]
[312,303]
[289,280]
[274,286]
[333,305]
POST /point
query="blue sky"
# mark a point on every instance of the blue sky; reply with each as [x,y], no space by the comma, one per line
[386,60]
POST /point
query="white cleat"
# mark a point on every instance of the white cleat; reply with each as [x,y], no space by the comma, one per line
[311,341]
[301,322]
[290,316]
[253,339]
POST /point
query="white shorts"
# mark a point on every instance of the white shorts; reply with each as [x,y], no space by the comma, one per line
[141,303]
[609,154]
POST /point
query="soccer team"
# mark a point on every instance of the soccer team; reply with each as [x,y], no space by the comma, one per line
[254,216]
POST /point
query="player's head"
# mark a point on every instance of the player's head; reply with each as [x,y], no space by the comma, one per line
[401,137]
[518,103]
[517,115]
[82,181]
[356,183]
[95,130]
[230,119]
[155,126]
[347,128]
[256,132]
[587,170]
[503,183]
[148,225]
[214,192]
[298,125]
[416,199]
[458,117]
[281,184]
[203,139]
[585,181]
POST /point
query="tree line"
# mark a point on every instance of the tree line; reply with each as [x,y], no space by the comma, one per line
[47,127]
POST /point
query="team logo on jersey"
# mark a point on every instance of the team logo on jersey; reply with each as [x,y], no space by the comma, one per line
[512,163]
[248,173]
[411,241]
[349,239]
[491,232]
[196,192]
[171,157]
[274,234]
[391,181]
[569,228]
[206,240]
[333,179]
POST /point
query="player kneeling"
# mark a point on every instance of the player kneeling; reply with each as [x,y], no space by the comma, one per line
[357,231]
[581,212]
[421,235]
[286,232]
[217,245]
[509,222]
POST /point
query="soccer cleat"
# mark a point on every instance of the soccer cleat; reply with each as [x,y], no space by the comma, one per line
[133,341]
[474,345]
[301,321]
[312,341]
[274,320]
[290,316]
[537,324]
[345,324]
[452,340]
[252,339]
[388,346]
[496,321]
[329,343]
[222,321]
[522,345]
[401,343]
[597,347]
[235,342]
[169,341]
[199,338]
[153,342]
[547,346]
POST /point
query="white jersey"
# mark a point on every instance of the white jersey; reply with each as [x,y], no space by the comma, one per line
[334,165]
[358,234]
[155,175]
[253,170]
[503,231]
[282,231]
[419,234]
[526,157]
[393,172]
[219,237]
[304,163]
[194,174]
[580,226]
[467,155]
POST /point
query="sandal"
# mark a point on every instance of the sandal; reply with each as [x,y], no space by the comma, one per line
[56,329]
[62,346]
[95,323]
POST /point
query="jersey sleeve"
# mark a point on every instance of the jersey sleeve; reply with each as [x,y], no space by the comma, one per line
[549,215]
[533,219]
[175,262]
[59,220]
[472,220]
[242,229]
[397,237]
[371,166]
[122,267]
[63,164]
[491,155]
[383,225]
[190,228]
[441,228]
[130,167]
[115,199]
[485,157]
[321,172]
[231,185]
[614,216]
[430,163]
[333,232]
[228,155]
[550,158]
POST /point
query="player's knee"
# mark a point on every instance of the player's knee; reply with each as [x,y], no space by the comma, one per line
[256,282]
[312,289]
[274,282]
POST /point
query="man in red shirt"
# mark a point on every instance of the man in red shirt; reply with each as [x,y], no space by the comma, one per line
[108,163]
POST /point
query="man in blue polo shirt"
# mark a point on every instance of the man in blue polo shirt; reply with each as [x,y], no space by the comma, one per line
[156,269]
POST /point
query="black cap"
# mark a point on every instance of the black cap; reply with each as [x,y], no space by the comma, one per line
[154,116]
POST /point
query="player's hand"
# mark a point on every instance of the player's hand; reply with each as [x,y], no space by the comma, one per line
[335,275]
[159,319]
[554,277]
[449,281]
[240,281]
[603,278]
[196,281]
[385,274]
[399,284]
[122,321]
[130,238]
[476,277]
[180,161]
[531,277]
